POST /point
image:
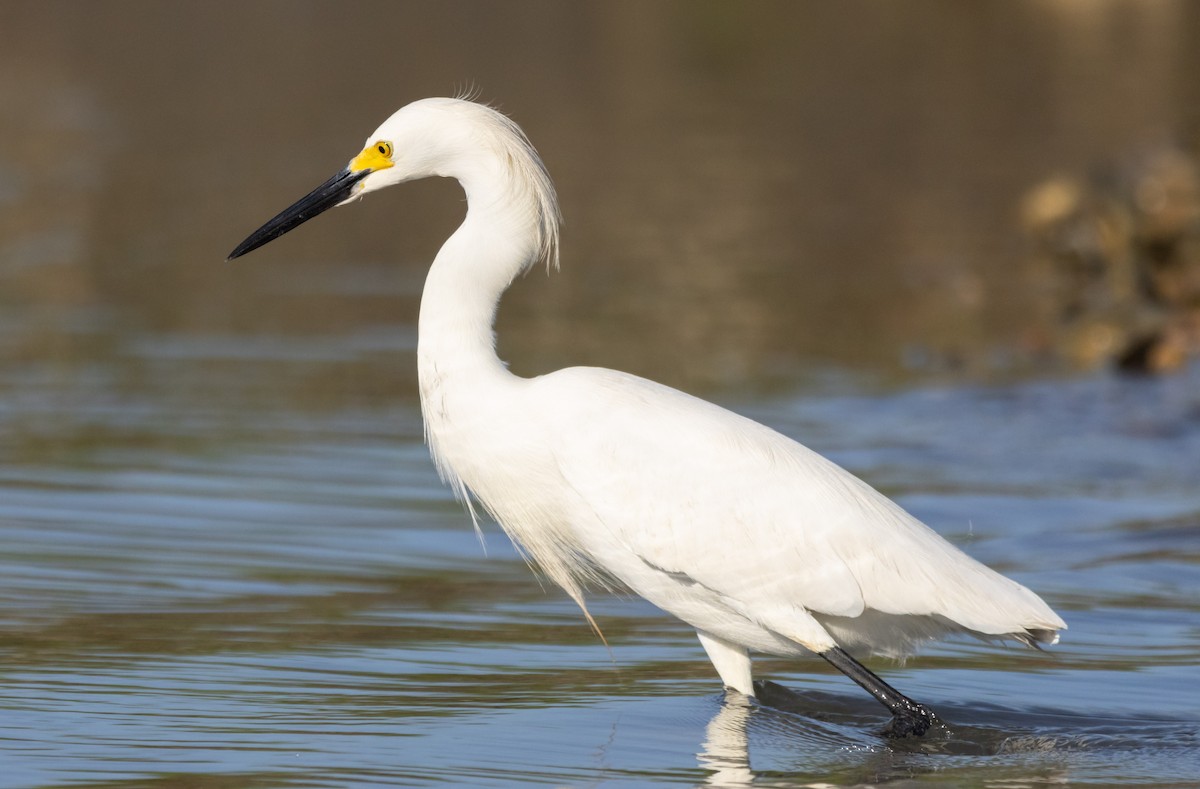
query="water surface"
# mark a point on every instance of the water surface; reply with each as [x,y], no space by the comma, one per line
[315,610]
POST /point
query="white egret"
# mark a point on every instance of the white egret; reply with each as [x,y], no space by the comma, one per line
[604,478]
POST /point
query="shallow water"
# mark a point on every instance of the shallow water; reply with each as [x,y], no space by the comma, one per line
[225,559]
[314,610]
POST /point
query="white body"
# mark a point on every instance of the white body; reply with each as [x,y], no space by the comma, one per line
[752,539]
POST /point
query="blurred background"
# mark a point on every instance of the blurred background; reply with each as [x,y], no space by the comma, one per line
[761,190]
[952,227]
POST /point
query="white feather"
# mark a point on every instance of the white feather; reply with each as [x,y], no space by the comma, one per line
[754,540]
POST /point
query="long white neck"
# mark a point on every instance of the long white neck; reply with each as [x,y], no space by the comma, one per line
[461,378]
[472,270]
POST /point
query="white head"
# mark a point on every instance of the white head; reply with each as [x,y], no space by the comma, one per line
[431,137]
[454,138]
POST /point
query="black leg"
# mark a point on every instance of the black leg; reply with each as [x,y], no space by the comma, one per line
[908,717]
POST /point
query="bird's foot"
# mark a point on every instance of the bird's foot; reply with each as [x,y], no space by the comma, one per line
[915,721]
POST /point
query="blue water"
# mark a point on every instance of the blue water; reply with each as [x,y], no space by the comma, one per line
[309,607]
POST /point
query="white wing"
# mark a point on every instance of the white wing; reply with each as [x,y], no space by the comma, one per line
[688,492]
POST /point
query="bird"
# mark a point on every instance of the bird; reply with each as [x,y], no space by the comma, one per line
[603,479]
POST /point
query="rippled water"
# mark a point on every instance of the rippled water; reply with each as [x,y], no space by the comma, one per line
[316,611]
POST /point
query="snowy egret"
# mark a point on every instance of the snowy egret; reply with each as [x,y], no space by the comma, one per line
[604,478]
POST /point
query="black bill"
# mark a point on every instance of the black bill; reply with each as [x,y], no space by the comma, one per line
[324,197]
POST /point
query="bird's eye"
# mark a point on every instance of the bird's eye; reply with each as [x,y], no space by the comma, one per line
[384,148]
